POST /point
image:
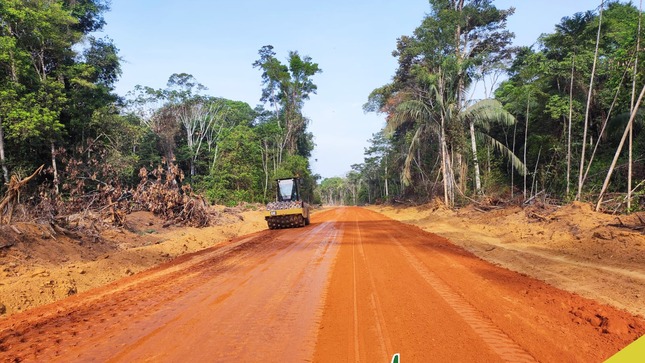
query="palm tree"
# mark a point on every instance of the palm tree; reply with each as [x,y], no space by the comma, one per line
[479,117]
[432,110]
[422,108]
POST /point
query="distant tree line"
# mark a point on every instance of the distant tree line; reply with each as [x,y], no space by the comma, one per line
[58,108]
[564,124]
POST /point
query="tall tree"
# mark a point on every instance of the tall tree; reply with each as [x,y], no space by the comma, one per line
[589,98]
[167,110]
[286,88]
[436,67]
[41,71]
[632,107]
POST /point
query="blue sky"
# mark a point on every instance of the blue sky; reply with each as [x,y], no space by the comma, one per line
[351,40]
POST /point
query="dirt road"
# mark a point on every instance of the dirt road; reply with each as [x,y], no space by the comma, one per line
[353,286]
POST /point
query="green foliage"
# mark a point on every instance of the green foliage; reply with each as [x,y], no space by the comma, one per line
[238,165]
[231,152]
[284,143]
[332,191]
[286,88]
[50,86]
[373,181]
[552,84]
[120,137]
[428,115]
[57,107]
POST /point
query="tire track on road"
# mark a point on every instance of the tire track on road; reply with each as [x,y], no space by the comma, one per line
[381,328]
[265,291]
[496,339]
[357,355]
[437,302]
[266,319]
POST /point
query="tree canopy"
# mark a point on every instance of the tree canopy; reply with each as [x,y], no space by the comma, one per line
[552,128]
[58,108]
[531,138]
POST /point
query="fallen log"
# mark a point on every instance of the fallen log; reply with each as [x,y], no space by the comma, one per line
[621,224]
[537,216]
[640,219]
[65,231]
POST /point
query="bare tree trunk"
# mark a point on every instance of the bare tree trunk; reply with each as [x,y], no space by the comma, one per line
[488,159]
[534,182]
[461,87]
[620,148]
[629,169]
[460,175]
[526,136]
[3,161]
[54,167]
[586,127]
[512,171]
[265,166]
[444,165]
[473,143]
[604,126]
[387,189]
[452,183]
[631,129]
[353,190]
[14,78]
[573,65]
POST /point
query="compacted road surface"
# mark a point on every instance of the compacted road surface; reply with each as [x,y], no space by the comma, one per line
[353,286]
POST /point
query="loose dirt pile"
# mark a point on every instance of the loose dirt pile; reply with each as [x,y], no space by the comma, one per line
[40,266]
[571,247]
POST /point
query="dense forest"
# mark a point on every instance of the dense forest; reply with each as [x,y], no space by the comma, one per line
[559,120]
[563,124]
[58,108]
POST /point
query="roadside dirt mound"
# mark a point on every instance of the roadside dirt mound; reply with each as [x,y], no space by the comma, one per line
[596,255]
[574,229]
[39,265]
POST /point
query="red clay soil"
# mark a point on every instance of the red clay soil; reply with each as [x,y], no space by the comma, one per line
[353,286]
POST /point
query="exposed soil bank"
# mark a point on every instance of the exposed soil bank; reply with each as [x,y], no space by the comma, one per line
[570,247]
[39,266]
